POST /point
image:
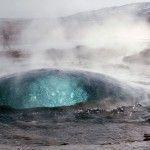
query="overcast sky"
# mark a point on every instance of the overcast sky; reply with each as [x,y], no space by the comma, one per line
[54,8]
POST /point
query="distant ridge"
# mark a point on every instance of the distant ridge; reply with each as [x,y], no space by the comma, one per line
[135,9]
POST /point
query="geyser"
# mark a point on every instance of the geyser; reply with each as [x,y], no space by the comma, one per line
[52,88]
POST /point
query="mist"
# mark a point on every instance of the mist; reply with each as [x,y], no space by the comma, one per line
[98,46]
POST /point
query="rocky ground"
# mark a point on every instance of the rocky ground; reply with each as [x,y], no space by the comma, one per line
[59,129]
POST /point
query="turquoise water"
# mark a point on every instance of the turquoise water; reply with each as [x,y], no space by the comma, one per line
[52,88]
[42,91]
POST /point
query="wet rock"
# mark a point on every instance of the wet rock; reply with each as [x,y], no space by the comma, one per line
[140,58]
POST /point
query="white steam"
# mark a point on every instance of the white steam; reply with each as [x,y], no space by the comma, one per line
[124,35]
[98,46]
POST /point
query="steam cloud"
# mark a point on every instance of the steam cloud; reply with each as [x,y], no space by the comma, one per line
[96,46]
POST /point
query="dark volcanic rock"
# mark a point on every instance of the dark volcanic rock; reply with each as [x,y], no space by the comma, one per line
[141,58]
